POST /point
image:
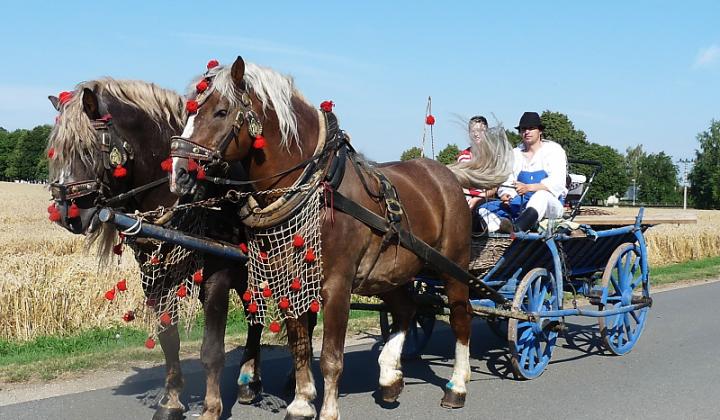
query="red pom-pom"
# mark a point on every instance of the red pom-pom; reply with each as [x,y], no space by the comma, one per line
[295,284]
[165,319]
[192,106]
[64,97]
[263,255]
[310,256]
[275,327]
[150,343]
[430,120]
[200,173]
[110,294]
[247,296]
[284,303]
[117,249]
[73,211]
[327,106]
[55,216]
[129,316]
[51,153]
[198,277]
[151,302]
[119,172]
[122,285]
[252,307]
[166,164]
[259,142]
[52,208]
[243,247]
[212,64]
[154,260]
[267,292]
[202,86]
[192,165]
[298,241]
[181,291]
[315,306]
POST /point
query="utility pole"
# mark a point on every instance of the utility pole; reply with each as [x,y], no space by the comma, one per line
[685,163]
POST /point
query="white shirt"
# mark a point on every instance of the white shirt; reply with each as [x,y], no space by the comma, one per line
[550,158]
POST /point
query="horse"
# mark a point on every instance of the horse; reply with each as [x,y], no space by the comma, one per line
[291,153]
[111,127]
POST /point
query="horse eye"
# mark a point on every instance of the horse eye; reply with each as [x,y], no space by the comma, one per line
[221,113]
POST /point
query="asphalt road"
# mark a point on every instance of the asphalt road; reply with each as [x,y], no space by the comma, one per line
[673,373]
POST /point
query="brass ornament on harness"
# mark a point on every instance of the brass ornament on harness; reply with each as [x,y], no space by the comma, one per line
[254,125]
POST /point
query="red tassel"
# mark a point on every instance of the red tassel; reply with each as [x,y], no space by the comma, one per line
[117,249]
[122,285]
[202,86]
[275,327]
[247,296]
[267,292]
[192,165]
[150,343]
[55,216]
[191,106]
[259,142]
[74,211]
[165,319]
[198,277]
[295,285]
[52,208]
[310,256]
[120,172]
[110,294]
[51,153]
[315,306]
[212,64]
[430,120]
[243,247]
[181,291]
[327,106]
[298,241]
[252,308]
[284,303]
[200,173]
[154,260]
[64,97]
[129,316]
[263,255]
[166,164]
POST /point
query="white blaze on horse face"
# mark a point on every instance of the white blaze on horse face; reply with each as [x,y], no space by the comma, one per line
[189,128]
[181,163]
[389,360]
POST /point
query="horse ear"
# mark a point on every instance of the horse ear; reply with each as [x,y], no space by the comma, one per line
[238,72]
[55,101]
[91,104]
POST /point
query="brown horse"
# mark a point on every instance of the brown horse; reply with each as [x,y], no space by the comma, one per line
[107,123]
[253,115]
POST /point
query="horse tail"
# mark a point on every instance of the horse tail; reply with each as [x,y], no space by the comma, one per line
[491,163]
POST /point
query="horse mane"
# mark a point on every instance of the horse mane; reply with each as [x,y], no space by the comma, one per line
[491,163]
[73,134]
[273,90]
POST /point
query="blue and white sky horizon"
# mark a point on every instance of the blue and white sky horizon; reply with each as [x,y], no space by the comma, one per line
[626,73]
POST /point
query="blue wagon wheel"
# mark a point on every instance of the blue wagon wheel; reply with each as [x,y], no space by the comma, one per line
[531,343]
[418,335]
[624,282]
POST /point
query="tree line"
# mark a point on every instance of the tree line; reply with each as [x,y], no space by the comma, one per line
[649,178]
[22,154]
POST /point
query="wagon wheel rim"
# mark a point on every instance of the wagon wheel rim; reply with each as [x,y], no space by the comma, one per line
[532,343]
[623,280]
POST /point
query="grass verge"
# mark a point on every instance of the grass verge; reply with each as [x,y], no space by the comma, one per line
[703,269]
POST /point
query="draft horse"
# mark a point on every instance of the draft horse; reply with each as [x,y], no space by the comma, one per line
[105,124]
[253,116]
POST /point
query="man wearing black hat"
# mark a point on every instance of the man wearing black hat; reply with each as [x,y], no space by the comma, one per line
[536,186]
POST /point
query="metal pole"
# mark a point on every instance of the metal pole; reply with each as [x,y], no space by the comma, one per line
[634,192]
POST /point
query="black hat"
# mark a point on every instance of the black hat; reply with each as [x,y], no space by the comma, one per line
[530,119]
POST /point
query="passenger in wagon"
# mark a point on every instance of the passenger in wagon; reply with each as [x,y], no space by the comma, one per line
[477,126]
[536,187]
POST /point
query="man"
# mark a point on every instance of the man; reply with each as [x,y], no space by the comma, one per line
[537,185]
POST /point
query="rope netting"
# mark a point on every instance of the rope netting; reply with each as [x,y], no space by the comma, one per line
[285,267]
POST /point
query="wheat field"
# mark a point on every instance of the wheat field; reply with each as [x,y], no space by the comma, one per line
[52,285]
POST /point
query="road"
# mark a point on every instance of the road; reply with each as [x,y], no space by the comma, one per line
[673,373]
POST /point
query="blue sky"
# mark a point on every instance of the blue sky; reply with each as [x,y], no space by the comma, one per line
[627,73]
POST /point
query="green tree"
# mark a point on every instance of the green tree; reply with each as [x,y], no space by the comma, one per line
[7,145]
[449,154]
[611,180]
[28,151]
[658,180]
[411,153]
[705,175]
[560,129]
[513,137]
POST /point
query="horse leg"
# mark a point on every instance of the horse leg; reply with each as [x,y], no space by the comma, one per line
[391,376]
[460,319]
[299,342]
[249,382]
[337,309]
[170,407]
[312,323]
[212,353]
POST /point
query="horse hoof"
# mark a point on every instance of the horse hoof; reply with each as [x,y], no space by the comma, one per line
[248,393]
[452,399]
[390,393]
[289,416]
[164,413]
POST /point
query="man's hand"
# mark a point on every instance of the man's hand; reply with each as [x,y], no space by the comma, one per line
[523,188]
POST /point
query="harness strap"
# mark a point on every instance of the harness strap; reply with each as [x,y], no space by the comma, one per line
[417,246]
[124,196]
